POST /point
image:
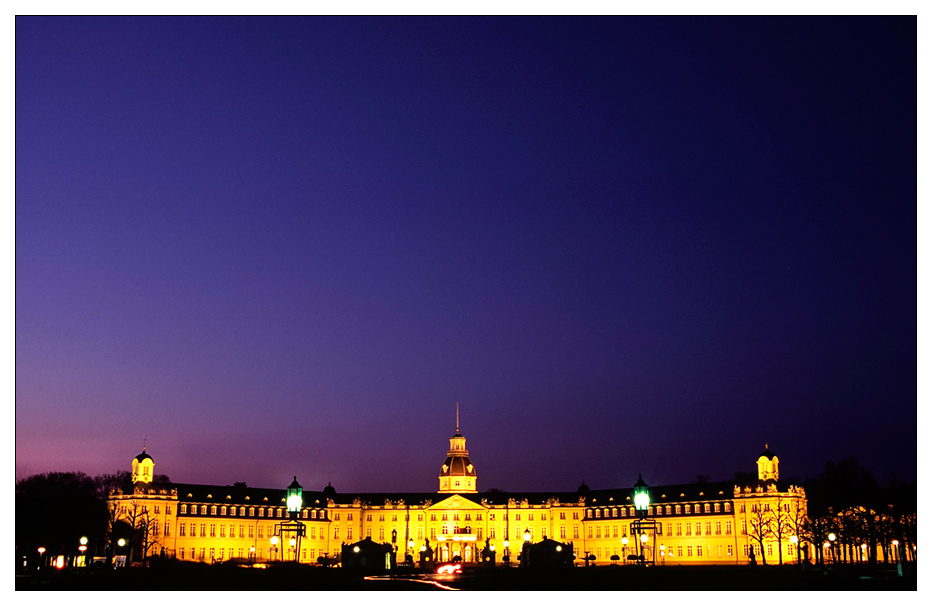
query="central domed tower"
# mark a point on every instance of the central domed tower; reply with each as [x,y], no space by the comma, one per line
[457,473]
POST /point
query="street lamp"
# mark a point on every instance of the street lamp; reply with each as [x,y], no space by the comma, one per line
[663,555]
[252,553]
[294,499]
[506,557]
[274,547]
[624,547]
[641,498]
[82,548]
[831,538]
[794,540]
[41,551]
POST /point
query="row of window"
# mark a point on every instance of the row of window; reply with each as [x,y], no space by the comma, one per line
[262,512]
[245,531]
[790,549]
[613,512]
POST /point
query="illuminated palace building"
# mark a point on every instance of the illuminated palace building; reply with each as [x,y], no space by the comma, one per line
[711,523]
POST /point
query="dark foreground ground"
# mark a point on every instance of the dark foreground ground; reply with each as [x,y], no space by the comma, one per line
[187,576]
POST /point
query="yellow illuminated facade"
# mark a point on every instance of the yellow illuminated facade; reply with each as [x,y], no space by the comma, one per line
[711,523]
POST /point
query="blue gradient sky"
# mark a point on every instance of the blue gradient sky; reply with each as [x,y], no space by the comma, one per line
[288,246]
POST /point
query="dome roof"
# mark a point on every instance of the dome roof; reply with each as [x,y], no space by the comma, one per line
[583,489]
[458,465]
[766,453]
[329,491]
[142,456]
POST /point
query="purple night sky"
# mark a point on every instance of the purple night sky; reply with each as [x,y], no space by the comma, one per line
[288,246]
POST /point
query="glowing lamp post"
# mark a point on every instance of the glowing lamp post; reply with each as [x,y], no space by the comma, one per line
[624,547]
[274,548]
[252,553]
[82,547]
[795,540]
[641,505]
[831,538]
[663,555]
[41,551]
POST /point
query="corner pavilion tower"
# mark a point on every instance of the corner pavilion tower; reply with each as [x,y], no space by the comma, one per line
[457,473]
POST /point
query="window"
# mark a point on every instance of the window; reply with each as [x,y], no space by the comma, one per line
[742,508]
[744,527]
[708,527]
[727,506]
[203,530]
[729,550]
[433,517]
[336,517]
[689,529]
[184,508]
[698,529]
[213,530]
[491,517]
[261,513]
[349,517]
[232,530]
[707,508]
[699,550]
[770,549]
[562,515]
[156,510]
[543,517]
[562,532]
[590,532]
[718,528]
[381,534]
[260,530]
[689,551]
[181,529]
[167,529]
[212,552]
[201,553]
[717,507]
[688,508]
[241,531]
[420,517]
[517,517]
[667,510]
[213,510]
[203,509]
[223,532]
[728,528]
[349,534]
[679,551]
[336,533]
[575,532]
[614,532]
[598,532]
[575,515]
[679,529]
[381,517]
[368,517]
[598,513]
[679,509]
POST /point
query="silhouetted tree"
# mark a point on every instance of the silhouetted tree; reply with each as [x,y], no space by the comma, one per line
[54,510]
